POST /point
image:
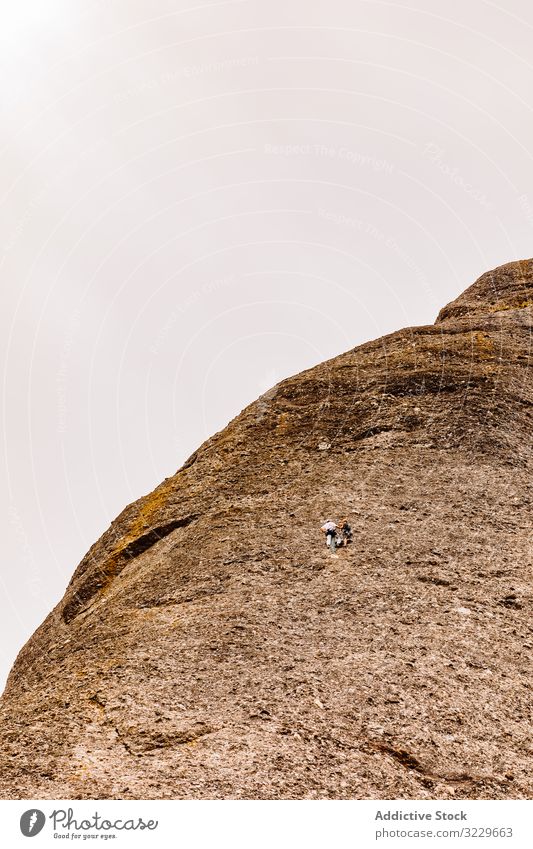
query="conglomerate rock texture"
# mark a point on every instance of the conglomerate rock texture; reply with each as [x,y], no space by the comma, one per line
[209,646]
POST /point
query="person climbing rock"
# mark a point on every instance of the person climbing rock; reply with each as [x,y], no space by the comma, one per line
[329,528]
[345,531]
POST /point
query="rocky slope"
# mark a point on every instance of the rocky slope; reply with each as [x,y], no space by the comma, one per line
[208,646]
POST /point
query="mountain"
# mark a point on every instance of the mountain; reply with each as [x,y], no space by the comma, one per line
[209,645]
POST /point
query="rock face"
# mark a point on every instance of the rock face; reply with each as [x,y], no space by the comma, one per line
[209,646]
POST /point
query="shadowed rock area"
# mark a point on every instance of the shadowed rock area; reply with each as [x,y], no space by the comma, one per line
[209,646]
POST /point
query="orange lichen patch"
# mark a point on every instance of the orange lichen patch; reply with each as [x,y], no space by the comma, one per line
[148,509]
[483,345]
[108,571]
[151,504]
[506,305]
[283,422]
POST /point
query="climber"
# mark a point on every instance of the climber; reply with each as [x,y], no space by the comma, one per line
[329,528]
[345,531]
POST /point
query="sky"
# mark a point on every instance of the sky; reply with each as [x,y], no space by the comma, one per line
[198,199]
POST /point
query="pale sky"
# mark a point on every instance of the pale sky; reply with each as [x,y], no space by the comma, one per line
[200,199]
